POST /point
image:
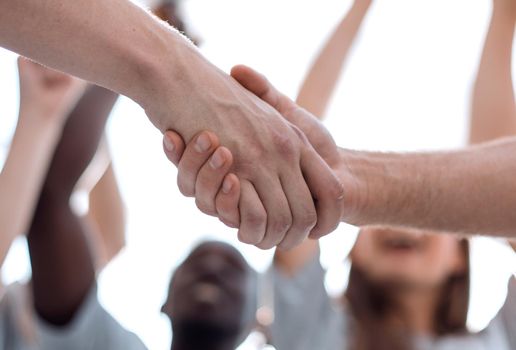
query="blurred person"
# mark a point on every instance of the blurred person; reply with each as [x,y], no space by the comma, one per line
[408,289]
[210,301]
[46,99]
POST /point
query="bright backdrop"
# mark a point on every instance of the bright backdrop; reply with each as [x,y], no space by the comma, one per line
[406,87]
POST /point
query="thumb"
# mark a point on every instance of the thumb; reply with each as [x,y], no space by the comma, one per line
[258,84]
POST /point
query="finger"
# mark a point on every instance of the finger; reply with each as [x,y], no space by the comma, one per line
[302,207]
[279,216]
[227,200]
[326,190]
[174,146]
[253,216]
[210,179]
[195,155]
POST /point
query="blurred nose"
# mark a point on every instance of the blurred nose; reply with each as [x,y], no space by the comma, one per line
[212,263]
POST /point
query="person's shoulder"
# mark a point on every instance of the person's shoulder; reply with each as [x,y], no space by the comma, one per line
[508,312]
[93,327]
[502,328]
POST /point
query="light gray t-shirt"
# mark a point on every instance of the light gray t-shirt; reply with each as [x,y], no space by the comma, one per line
[306,318]
[92,328]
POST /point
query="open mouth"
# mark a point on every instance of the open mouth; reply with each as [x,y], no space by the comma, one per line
[207,293]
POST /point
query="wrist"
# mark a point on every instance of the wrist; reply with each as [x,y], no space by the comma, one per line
[376,187]
[352,174]
[164,73]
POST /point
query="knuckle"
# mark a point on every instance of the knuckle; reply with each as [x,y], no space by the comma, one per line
[205,207]
[284,145]
[248,237]
[268,243]
[300,134]
[256,218]
[308,220]
[289,244]
[280,225]
[336,191]
[185,189]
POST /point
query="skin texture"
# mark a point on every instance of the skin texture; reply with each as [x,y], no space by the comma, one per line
[441,191]
[290,194]
[46,98]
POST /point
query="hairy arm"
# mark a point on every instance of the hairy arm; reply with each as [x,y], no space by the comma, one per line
[323,75]
[469,191]
[63,269]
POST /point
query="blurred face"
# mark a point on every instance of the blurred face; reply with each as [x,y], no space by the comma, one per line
[209,290]
[407,257]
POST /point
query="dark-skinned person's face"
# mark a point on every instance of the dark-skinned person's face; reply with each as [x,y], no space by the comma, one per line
[209,290]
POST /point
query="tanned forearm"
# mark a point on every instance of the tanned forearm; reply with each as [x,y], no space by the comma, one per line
[63,269]
[469,191]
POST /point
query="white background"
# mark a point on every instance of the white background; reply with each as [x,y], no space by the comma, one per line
[406,87]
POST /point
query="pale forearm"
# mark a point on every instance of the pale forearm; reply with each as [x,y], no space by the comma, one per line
[22,176]
[493,113]
[127,44]
[470,191]
[323,75]
[107,212]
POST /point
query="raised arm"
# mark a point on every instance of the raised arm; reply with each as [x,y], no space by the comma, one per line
[118,45]
[45,99]
[493,113]
[63,269]
[322,78]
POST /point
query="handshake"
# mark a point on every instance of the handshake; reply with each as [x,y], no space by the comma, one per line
[298,188]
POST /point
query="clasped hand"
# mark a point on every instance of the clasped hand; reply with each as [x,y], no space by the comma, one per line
[304,201]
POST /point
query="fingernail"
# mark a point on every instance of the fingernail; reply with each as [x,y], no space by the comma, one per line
[217,161]
[227,186]
[203,143]
[169,145]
